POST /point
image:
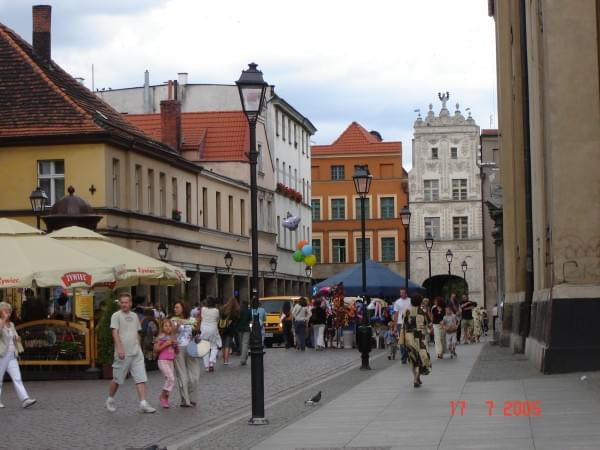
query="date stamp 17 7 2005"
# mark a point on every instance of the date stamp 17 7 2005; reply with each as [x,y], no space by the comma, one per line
[510,408]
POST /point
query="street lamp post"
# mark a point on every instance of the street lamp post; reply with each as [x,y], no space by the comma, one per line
[252,89]
[429,245]
[405,216]
[362,183]
[464,267]
[228,258]
[39,200]
[449,256]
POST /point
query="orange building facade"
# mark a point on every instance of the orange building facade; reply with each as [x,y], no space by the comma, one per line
[336,236]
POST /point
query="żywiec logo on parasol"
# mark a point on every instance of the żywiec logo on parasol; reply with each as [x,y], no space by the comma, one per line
[76,277]
[9,280]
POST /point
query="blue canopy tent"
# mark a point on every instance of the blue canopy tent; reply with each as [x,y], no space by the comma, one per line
[381,281]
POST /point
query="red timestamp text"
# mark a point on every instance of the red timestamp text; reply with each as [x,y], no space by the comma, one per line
[510,408]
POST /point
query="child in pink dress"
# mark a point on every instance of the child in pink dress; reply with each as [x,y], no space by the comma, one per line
[166,348]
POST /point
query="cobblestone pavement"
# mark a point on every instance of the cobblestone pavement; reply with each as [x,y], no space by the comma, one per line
[71,414]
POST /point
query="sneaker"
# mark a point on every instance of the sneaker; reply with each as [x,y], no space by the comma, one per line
[28,402]
[1,405]
[242,363]
[110,404]
[146,408]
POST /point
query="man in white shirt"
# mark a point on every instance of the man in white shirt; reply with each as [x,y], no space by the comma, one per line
[125,327]
[401,305]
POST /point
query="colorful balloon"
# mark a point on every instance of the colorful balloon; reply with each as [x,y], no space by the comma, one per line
[307,250]
[310,260]
[301,244]
[297,255]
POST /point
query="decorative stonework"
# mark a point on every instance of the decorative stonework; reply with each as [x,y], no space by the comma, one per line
[445,131]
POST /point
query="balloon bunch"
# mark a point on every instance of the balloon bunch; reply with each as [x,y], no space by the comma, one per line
[305,253]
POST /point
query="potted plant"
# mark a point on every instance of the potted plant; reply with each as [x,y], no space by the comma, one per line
[176,215]
[105,345]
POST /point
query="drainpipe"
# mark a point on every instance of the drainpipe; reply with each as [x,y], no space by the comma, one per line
[524,326]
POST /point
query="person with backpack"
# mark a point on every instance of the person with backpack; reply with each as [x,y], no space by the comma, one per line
[149,332]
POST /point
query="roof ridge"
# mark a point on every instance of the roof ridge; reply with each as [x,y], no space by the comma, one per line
[368,137]
[10,36]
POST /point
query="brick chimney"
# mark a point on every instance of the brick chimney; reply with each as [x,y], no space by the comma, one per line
[41,30]
[170,123]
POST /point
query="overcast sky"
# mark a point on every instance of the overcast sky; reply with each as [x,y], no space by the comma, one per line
[336,61]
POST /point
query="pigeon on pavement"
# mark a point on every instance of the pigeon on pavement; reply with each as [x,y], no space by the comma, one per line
[314,400]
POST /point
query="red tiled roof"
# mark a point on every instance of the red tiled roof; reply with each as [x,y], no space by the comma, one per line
[39,99]
[216,136]
[356,139]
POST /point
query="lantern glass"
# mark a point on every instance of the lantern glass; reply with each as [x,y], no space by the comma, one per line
[163,250]
[228,260]
[429,241]
[362,180]
[405,216]
[252,89]
[39,200]
[449,256]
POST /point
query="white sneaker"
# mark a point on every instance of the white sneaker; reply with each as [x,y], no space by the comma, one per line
[110,404]
[1,405]
[146,408]
[28,402]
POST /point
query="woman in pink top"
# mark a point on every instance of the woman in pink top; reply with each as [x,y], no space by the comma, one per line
[166,348]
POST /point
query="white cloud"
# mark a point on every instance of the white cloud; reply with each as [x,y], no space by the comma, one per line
[335,60]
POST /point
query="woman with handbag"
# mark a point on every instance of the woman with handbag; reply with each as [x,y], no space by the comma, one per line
[187,368]
[10,347]
[414,330]
[227,326]
[209,331]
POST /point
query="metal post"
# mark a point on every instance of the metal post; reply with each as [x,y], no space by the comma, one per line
[407,264]
[363,241]
[37,216]
[364,330]
[256,344]
[429,284]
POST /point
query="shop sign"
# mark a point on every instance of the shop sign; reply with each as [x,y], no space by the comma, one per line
[76,277]
[84,306]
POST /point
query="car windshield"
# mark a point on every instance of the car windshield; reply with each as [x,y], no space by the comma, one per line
[273,306]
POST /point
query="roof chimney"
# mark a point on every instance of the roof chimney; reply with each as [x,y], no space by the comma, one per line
[41,30]
[170,123]
[182,78]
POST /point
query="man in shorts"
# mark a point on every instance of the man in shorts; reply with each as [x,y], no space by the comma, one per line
[129,358]
[401,305]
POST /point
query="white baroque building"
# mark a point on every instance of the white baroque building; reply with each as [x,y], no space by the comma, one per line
[445,198]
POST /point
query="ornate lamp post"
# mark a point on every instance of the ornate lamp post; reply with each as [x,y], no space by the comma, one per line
[405,216]
[429,245]
[252,89]
[163,250]
[39,200]
[362,183]
[273,264]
